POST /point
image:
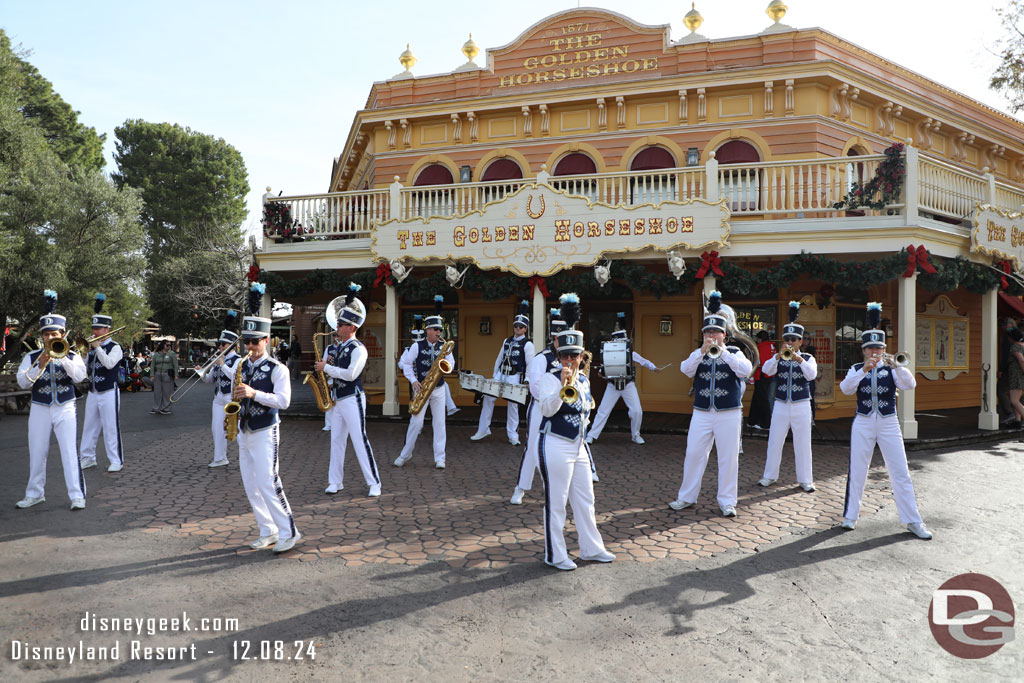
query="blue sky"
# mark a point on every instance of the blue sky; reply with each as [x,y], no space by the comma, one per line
[282,81]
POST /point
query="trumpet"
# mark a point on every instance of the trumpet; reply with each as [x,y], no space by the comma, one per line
[714,351]
[569,393]
[787,353]
[195,379]
[900,359]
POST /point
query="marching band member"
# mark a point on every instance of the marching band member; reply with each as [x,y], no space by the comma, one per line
[348,416]
[717,412]
[509,366]
[418,335]
[628,392]
[875,382]
[263,388]
[53,409]
[417,361]
[220,376]
[103,403]
[792,404]
[544,362]
[563,454]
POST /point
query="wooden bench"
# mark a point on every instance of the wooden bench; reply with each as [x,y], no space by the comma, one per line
[12,397]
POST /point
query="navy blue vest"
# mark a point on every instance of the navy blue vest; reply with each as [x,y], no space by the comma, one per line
[101,379]
[790,383]
[514,356]
[716,385]
[54,383]
[425,355]
[552,359]
[256,416]
[223,377]
[877,391]
[342,360]
[571,420]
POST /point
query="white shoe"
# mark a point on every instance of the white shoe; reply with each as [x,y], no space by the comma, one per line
[263,542]
[78,504]
[326,428]
[439,464]
[680,504]
[766,482]
[848,524]
[374,490]
[809,488]
[590,439]
[728,511]
[116,468]
[287,544]
[401,460]
[919,530]
[333,488]
[86,464]
[638,439]
[514,442]
[565,565]
[517,496]
[29,502]
[218,463]
[593,476]
[453,411]
[604,556]
[480,435]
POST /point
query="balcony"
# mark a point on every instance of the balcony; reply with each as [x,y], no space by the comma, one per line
[791,190]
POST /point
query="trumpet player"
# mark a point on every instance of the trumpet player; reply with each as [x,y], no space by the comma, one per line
[718,371]
[221,376]
[417,361]
[263,387]
[793,371]
[875,382]
[103,403]
[509,366]
[348,415]
[53,409]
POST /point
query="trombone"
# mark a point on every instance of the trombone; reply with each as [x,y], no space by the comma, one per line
[195,379]
[53,348]
[82,343]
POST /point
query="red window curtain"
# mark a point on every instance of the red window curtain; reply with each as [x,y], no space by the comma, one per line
[575,164]
[737,152]
[652,158]
[435,174]
[502,169]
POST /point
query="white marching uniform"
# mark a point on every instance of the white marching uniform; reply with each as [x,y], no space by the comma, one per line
[565,468]
[220,399]
[449,402]
[435,403]
[487,407]
[61,419]
[629,395]
[711,426]
[883,429]
[535,371]
[258,450]
[348,418]
[792,413]
[102,409]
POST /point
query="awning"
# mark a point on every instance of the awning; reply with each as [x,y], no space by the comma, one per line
[1013,302]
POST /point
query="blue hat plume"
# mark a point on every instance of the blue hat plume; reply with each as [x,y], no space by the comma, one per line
[353,289]
[794,311]
[256,297]
[570,308]
[874,315]
[97,304]
[49,300]
[438,303]
[714,301]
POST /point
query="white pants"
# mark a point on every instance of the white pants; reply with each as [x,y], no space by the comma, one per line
[529,463]
[885,431]
[707,427]
[101,415]
[565,469]
[437,414]
[611,396]
[511,419]
[220,439]
[449,402]
[796,416]
[348,419]
[257,460]
[63,421]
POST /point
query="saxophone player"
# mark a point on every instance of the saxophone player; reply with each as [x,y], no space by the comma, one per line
[348,415]
[416,363]
[221,376]
[263,388]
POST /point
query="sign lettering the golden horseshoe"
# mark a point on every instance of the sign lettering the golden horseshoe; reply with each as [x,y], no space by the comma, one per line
[539,230]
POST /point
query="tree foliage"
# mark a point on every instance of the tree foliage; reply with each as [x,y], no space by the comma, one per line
[1009,76]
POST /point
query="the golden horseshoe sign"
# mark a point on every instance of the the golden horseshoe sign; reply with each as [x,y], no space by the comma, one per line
[529,211]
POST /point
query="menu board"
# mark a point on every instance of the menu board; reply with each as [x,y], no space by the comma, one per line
[822,337]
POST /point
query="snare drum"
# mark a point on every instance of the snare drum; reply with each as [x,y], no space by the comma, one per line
[616,357]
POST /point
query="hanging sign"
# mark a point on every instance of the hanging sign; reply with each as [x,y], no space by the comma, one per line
[999,233]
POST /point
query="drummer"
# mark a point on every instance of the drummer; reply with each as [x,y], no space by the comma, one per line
[622,385]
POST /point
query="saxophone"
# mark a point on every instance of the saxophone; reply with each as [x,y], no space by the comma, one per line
[232,408]
[430,380]
[318,380]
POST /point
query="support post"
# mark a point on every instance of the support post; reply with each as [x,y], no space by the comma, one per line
[540,318]
[711,188]
[907,311]
[911,185]
[391,353]
[988,417]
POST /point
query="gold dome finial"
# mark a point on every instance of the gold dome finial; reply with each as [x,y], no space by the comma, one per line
[776,10]
[693,19]
[407,58]
[470,48]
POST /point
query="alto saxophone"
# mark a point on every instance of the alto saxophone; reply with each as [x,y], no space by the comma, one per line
[430,380]
[318,380]
[232,408]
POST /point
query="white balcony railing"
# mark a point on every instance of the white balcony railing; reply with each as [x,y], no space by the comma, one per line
[1009,198]
[946,190]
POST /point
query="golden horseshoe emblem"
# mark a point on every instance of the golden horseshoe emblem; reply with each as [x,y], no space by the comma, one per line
[529,211]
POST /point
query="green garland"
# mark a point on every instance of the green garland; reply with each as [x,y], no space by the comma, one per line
[886,184]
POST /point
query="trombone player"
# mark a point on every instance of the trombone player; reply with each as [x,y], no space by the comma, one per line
[50,373]
[220,375]
[103,402]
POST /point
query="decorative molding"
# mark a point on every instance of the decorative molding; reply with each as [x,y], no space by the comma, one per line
[527,122]
[621,118]
[545,120]
[457,130]
[883,124]
[574,119]
[735,105]
[474,126]
[684,117]
[406,133]
[769,98]
[391,134]
[702,106]
[790,97]
[503,127]
[651,113]
[602,114]
[433,134]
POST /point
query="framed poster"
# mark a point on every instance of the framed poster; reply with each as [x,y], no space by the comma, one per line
[822,338]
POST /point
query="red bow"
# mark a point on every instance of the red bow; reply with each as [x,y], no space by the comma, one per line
[1003,282]
[538,282]
[709,259]
[918,257]
[383,275]
[254,273]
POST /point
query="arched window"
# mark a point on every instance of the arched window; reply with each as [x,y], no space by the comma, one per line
[434,174]
[854,174]
[431,202]
[576,164]
[497,171]
[740,185]
[652,187]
